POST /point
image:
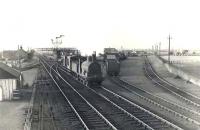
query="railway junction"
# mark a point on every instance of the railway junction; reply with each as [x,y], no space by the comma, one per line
[108,91]
[143,96]
[99,65]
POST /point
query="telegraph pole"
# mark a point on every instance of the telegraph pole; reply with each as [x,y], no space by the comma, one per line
[157,50]
[159,47]
[154,49]
[169,38]
[19,63]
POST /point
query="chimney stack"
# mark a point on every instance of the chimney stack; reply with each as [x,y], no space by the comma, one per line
[94,56]
[89,58]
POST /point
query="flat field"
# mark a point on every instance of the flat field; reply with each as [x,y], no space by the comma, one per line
[189,64]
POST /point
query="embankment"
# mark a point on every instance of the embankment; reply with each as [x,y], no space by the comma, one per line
[177,71]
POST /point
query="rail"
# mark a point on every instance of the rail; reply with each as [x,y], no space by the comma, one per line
[171,88]
[85,126]
[148,98]
[112,126]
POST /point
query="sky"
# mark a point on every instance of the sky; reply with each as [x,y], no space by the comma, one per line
[91,25]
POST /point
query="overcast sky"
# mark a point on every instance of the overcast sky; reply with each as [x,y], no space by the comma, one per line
[92,25]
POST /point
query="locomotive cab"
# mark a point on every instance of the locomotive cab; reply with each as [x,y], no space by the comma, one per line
[91,71]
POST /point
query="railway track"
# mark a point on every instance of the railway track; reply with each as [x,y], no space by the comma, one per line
[64,117]
[62,113]
[41,115]
[149,118]
[139,113]
[86,114]
[112,108]
[190,99]
[118,118]
[35,118]
[45,115]
[47,120]
[177,110]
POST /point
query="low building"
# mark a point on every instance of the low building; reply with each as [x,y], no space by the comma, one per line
[9,81]
[13,57]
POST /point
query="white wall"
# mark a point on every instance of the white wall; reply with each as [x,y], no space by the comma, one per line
[1,92]
[8,85]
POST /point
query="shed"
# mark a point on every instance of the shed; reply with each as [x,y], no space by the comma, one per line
[9,81]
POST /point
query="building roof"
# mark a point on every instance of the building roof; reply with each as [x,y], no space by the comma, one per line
[14,54]
[5,75]
[7,72]
[110,50]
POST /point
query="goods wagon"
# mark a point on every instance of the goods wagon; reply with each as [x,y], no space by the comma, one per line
[112,65]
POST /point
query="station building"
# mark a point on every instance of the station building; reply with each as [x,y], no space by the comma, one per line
[9,81]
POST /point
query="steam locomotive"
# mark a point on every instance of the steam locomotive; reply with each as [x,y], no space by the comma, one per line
[87,70]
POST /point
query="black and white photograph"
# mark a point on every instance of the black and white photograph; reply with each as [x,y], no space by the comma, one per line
[99,65]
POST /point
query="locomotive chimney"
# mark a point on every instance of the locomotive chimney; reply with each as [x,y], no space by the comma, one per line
[94,56]
[89,58]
